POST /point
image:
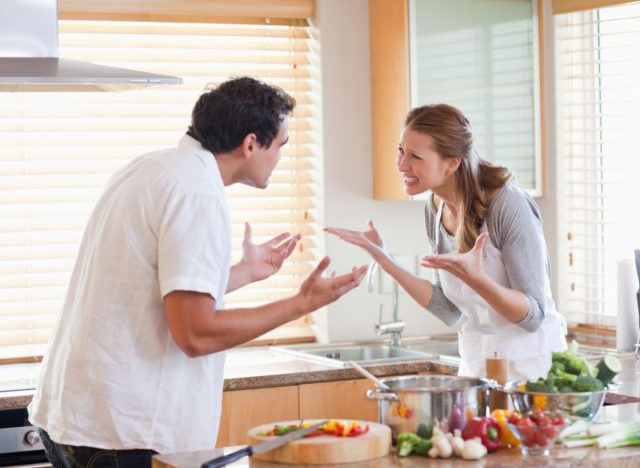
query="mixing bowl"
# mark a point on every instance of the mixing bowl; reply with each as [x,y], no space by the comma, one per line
[574,406]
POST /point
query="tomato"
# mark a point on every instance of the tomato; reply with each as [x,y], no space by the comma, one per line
[525,423]
[541,438]
[549,431]
[558,421]
[514,418]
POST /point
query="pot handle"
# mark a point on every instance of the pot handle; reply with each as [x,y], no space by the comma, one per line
[379,395]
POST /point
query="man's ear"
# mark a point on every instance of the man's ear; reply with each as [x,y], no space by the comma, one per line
[249,144]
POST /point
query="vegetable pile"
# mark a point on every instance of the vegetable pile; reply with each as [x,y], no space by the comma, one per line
[333,427]
[572,373]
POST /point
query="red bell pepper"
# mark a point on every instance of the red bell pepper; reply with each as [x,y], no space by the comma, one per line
[487,429]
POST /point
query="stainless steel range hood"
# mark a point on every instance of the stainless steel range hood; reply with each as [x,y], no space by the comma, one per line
[29,56]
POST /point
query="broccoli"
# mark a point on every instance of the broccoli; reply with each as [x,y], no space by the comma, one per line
[573,364]
[542,385]
[587,383]
[408,442]
[561,377]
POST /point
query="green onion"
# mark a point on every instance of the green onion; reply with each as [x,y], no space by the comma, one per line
[619,439]
[596,430]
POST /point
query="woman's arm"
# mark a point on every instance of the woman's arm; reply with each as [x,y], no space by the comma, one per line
[425,293]
[516,230]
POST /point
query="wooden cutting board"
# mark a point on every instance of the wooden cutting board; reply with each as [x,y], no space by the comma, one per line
[325,449]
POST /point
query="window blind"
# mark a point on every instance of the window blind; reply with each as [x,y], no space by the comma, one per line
[598,73]
[480,57]
[57,150]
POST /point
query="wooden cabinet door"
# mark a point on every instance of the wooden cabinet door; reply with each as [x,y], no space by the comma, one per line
[345,399]
[244,409]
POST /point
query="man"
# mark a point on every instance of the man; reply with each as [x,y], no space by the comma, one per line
[134,365]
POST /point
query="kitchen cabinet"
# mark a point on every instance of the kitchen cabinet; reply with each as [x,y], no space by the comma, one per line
[344,399]
[244,409]
[482,56]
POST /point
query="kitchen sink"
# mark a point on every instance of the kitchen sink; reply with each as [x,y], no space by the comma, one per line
[437,347]
[364,353]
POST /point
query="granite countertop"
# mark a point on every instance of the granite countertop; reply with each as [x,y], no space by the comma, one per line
[251,368]
[623,457]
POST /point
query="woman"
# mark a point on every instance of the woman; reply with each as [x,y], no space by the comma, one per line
[490,259]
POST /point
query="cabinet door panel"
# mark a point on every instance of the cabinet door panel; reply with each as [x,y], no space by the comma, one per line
[346,399]
[244,409]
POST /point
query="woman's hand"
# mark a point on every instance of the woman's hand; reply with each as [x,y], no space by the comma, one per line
[263,260]
[467,266]
[370,240]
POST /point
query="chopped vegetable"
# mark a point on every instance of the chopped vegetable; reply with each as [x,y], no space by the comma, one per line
[602,435]
[441,446]
[456,420]
[608,368]
[507,438]
[457,443]
[587,383]
[333,427]
[487,429]
[570,372]
[473,449]
[573,363]
[424,431]
[408,442]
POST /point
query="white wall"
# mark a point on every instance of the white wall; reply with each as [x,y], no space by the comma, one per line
[346,102]
[344,33]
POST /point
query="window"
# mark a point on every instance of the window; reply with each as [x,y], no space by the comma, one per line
[58,149]
[598,82]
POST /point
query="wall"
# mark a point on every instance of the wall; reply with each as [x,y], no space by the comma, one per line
[344,36]
[344,33]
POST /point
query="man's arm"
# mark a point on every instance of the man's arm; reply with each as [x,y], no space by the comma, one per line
[198,329]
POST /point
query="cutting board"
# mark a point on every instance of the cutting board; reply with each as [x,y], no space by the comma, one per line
[325,449]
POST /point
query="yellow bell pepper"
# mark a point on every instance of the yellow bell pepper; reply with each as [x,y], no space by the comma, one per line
[507,439]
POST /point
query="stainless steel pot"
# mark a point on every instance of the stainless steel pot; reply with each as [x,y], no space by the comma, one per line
[419,403]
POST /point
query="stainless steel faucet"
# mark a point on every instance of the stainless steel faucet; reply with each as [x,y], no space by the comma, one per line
[395,326]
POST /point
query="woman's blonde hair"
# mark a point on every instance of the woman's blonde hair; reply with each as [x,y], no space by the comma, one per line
[453,138]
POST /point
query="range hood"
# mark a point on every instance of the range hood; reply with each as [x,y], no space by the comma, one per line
[29,56]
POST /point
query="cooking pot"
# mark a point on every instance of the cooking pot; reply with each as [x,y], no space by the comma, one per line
[420,403]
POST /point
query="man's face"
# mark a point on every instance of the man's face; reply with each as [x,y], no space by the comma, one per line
[264,159]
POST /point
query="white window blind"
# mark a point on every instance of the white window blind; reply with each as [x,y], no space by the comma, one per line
[598,71]
[58,149]
[480,57]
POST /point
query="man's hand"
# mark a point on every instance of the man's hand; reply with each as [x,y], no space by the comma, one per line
[317,291]
[265,259]
[467,266]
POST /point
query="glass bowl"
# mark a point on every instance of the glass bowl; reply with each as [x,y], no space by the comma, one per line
[575,406]
[536,440]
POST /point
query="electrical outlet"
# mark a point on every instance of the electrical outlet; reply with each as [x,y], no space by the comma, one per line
[408,262]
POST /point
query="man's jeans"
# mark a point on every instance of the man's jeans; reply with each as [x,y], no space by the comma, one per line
[69,456]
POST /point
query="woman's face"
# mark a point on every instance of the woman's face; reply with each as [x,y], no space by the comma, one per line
[421,166]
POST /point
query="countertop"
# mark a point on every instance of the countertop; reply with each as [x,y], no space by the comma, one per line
[259,367]
[623,457]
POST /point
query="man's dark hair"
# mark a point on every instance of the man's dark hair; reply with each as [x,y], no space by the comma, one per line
[222,117]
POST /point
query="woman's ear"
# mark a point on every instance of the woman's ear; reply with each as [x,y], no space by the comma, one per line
[452,165]
[249,144]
